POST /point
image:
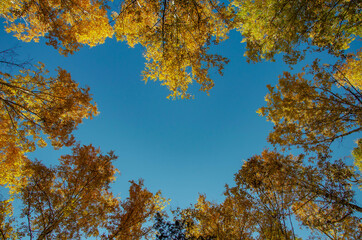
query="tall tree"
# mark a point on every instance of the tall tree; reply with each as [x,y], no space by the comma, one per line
[269,194]
[314,108]
[319,196]
[176,35]
[74,200]
[66,24]
[270,191]
[231,219]
[270,27]
[34,107]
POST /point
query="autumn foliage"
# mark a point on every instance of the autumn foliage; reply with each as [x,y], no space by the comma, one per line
[36,107]
[270,190]
[314,113]
[74,200]
[310,110]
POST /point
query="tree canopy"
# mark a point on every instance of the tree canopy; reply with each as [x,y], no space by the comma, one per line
[36,107]
[272,191]
[313,113]
[74,200]
[271,27]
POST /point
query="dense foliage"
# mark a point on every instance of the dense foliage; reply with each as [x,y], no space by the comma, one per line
[272,191]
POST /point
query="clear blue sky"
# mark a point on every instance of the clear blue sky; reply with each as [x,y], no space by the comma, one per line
[181,147]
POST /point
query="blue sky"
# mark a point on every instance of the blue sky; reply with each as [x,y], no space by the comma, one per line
[181,147]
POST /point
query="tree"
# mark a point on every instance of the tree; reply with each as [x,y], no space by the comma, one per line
[66,24]
[270,190]
[74,200]
[231,219]
[271,27]
[313,113]
[319,196]
[35,107]
[127,222]
[175,34]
